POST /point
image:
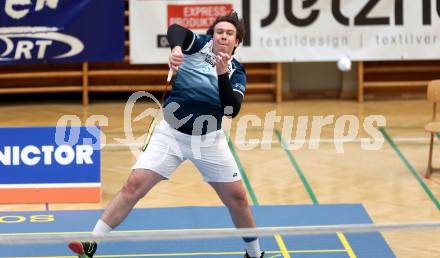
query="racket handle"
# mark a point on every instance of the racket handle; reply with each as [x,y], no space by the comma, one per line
[170,75]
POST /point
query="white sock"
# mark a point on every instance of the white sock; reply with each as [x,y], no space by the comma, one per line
[101,228]
[253,248]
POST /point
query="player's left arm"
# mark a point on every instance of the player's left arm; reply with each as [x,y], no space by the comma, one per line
[229,96]
[231,90]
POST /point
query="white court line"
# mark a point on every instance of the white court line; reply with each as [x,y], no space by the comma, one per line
[211,233]
[322,140]
[50,185]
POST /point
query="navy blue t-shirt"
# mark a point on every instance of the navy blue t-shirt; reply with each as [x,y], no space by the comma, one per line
[195,89]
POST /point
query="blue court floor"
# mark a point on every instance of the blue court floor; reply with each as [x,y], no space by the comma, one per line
[364,245]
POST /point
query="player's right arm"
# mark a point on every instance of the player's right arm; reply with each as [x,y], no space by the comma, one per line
[183,41]
[178,38]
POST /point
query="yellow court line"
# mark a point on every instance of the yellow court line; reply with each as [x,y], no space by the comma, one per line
[282,246]
[192,254]
[346,245]
[284,251]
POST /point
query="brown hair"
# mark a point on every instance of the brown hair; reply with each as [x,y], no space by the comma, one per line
[232,18]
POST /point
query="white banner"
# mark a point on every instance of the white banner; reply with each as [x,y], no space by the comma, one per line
[294,30]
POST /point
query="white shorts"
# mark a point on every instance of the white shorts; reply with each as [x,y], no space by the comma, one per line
[210,153]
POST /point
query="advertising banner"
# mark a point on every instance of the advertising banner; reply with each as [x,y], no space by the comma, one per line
[49,164]
[53,31]
[288,30]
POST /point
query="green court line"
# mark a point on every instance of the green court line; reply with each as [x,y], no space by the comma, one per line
[438,135]
[278,238]
[410,168]
[297,167]
[312,196]
[242,172]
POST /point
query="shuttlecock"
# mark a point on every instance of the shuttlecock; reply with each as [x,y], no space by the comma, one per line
[344,64]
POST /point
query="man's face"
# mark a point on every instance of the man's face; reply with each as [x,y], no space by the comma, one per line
[225,38]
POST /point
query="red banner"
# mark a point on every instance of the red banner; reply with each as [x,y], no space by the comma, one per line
[196,16]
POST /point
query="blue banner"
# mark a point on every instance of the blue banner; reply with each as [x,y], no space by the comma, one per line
[61,31]
[49,155]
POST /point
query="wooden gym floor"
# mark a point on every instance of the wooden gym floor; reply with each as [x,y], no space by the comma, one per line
[388,182]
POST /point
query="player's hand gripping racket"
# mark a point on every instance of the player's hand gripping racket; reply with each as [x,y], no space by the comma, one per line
[154,120]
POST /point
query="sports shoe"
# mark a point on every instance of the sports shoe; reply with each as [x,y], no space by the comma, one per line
[247,255]
[83,249]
